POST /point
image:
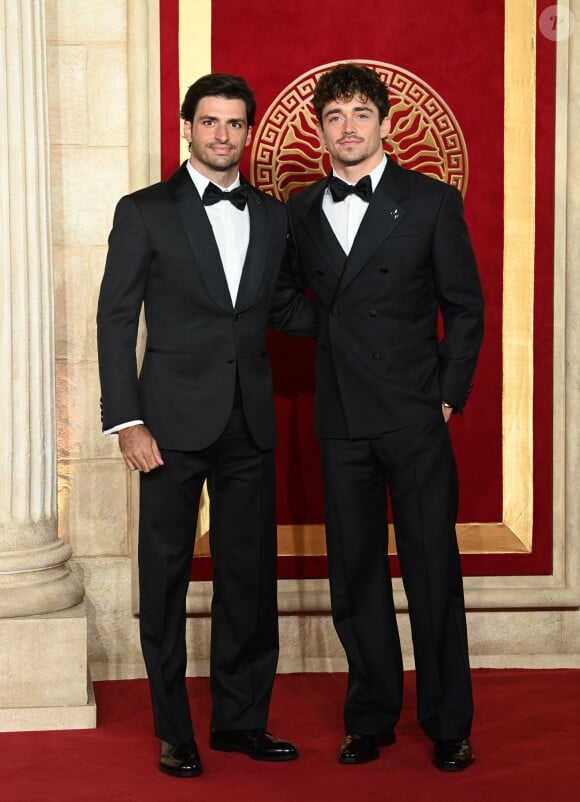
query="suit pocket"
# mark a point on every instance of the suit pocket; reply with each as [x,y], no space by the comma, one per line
[416,365]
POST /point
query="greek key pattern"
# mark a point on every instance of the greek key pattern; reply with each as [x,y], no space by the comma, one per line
[287,154]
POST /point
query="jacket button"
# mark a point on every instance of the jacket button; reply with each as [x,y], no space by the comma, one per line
[236,317]
[320,272]
[230,361]
[377,355]
[384,269]
[372,312]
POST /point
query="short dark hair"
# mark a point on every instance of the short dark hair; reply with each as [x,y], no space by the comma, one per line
[345,81]
[219,84]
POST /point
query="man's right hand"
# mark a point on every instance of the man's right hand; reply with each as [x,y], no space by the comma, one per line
[139,449]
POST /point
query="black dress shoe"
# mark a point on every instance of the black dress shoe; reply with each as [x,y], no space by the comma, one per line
[356,748]
[257,744]
[453,755]
[180,760]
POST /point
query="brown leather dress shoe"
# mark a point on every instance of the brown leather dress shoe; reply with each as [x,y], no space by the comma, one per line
[358,748]
[453,755]
[257,744]
[180,760]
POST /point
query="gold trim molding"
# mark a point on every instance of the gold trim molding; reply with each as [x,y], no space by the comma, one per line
[308,540]
[518,269]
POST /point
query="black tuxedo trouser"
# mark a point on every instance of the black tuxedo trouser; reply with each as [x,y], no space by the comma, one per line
[418,466]
[244,635]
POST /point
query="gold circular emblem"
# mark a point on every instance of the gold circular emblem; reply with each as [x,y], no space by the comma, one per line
[287,154]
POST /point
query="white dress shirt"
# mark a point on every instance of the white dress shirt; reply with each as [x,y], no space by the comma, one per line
[231,228]
[346,216]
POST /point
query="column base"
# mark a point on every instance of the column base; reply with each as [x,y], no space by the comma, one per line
[37,581]
[44,680]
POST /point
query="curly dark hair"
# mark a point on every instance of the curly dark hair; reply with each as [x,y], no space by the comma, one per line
[345,81]
[219,84]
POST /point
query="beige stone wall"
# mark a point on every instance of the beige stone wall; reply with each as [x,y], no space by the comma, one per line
[90,61]
[88,124]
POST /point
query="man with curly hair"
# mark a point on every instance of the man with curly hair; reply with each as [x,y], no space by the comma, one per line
[385,251]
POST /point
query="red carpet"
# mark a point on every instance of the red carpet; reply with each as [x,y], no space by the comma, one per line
[526,738]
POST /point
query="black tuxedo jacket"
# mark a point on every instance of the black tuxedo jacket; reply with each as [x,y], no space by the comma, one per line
[381,364]
[163,255]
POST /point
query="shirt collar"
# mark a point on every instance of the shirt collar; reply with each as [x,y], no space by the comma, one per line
[201,181]
[375,175]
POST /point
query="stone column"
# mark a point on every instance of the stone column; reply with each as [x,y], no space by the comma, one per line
[43,664]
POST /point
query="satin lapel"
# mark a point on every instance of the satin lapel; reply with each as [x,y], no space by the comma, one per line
[320,231]
[385,212]
[201,237]
[256,256]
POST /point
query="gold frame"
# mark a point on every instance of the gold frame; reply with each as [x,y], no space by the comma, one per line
[514,533]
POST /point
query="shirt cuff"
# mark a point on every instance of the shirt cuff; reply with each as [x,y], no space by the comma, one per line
[120,426]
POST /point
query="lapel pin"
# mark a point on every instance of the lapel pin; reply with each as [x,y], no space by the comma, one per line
[395,214]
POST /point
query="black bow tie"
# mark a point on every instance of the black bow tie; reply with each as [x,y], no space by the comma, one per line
[340,189]
[237,196]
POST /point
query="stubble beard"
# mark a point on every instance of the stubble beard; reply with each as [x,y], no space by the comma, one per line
[352,158]
[221,163]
